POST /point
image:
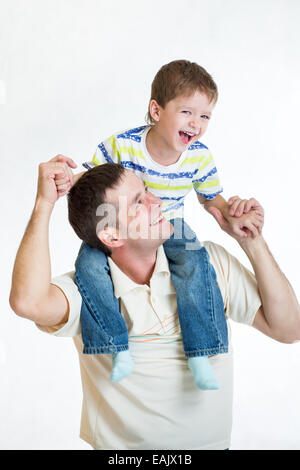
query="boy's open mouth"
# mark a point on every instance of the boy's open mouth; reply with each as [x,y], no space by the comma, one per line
[186,137]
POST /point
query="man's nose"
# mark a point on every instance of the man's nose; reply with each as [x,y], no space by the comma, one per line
[152,199]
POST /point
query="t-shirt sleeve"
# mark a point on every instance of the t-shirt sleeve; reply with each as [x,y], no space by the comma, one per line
[237,284]
[107,152]
[72,326]
[206,182]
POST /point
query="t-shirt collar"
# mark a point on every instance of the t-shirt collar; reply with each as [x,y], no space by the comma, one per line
[123,284]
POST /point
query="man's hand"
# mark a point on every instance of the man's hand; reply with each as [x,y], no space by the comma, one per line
[57,169]
[248,224]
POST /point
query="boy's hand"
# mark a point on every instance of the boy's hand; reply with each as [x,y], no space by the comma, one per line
[240,206]
[65,180]
[249,224]
[48,172]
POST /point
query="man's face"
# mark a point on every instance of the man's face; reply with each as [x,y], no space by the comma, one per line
[184,120]
[140,218]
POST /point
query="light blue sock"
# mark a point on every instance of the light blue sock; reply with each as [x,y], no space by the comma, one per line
[122,365]
[204,376]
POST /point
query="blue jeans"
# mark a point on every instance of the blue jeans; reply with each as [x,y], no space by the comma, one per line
[200,304]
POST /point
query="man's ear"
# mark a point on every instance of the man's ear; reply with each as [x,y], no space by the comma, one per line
[154,110]
[110,237]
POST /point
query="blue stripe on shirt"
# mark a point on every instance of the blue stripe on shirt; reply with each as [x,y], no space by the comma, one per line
[127,134]
[171,198]
[85,165]
[210,196]
[149,171]
[173,207]
[132,134]
[197,145]
[105,153]
[211,172]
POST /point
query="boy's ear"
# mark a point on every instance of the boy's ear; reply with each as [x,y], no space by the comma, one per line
[154,110]
[110,237]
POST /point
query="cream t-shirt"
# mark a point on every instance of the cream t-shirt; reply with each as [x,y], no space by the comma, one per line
[158,406]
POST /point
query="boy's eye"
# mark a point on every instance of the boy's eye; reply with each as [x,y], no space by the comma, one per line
[186,112]
[204,116]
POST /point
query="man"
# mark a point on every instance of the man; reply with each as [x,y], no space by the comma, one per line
[157,406]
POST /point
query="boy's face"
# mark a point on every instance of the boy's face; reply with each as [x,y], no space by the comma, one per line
[183,120]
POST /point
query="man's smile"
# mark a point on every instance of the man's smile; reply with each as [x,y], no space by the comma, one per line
[158,220]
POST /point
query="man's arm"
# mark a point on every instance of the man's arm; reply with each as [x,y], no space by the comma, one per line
[279,315]
[32,295]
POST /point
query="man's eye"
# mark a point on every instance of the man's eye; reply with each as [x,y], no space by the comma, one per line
[139,203]
[136,207]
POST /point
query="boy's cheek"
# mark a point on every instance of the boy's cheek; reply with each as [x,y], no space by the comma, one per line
[202,132]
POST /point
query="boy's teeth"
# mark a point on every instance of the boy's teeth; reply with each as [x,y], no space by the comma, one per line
[186,136]
[189,133]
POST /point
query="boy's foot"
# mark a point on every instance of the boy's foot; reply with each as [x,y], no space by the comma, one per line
[203,373]
[122,365]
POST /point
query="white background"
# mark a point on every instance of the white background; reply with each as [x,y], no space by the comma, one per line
[72,72]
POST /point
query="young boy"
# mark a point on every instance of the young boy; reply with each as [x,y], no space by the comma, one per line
[169,157]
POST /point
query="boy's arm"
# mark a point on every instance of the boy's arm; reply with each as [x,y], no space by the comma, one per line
[219,202]
[241,214]
[32,295]
[77,176]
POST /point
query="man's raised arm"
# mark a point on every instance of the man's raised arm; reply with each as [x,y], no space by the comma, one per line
[32,295]
[279,316]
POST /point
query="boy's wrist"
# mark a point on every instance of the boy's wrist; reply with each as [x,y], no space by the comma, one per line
[220,203]
[76,176]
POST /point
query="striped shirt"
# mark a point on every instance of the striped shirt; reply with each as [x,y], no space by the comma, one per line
[195,169]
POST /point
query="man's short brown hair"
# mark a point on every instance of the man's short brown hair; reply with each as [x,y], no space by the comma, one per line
[86,196]
[181,77]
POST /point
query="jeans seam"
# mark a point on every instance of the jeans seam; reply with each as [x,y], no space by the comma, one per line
[206,352]
[209,297]
[91,308]
[212,304]
[105,349]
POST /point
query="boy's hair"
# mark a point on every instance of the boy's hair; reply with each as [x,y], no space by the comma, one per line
[180,77]
[86,196]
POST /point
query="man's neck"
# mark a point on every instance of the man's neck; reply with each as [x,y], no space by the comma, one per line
[159,150]
[138,266]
